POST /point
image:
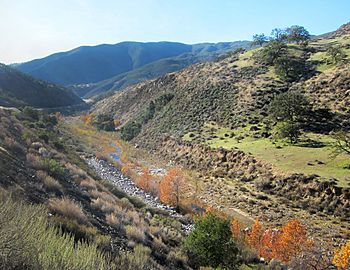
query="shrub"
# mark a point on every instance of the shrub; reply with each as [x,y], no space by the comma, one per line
[135,233]
[130,130]
[27,242]
[88,184]
[35,161]
[211,243]
[49,182]
[12,145]
[139,259]
[68,209]
[290,69]
[336,55]
[54,168]
[113,220]
[104,122]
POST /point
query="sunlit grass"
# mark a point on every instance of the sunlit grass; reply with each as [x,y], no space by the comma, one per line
[284,157]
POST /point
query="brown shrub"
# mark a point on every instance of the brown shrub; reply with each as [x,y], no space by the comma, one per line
[135,233]
[105,206]
[114,220]
[68,209]
[13,146]
[76,171]
[49,182]
[35,161]
[88,184]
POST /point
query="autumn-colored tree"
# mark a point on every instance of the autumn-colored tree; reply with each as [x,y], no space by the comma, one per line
[254,238]
[171,187]
[87,118]
[290,241]
[341,257]
[235,229]
[267,243]
[145,180]
[126,169]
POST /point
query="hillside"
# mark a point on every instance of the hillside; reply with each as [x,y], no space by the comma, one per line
[19,89]
[55,206]
[147,72]
[85,65]
[215,120]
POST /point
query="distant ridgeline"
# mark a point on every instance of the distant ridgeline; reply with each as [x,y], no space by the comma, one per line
[97,69]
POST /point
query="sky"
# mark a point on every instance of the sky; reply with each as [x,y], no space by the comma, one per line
[33,29]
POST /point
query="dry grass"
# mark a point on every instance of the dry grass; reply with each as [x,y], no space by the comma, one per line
[89,184]
[35,161]
[105,206]
[135,233]
[49,182]
[76,171]
[12,145]
[113,220]
[68,209]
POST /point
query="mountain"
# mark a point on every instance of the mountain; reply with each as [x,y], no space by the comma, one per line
[86,65]
[147,72]
[19,89]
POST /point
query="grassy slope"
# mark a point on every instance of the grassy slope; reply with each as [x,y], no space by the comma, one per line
[283,156]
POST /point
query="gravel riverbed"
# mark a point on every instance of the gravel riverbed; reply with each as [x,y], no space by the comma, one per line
[110,173]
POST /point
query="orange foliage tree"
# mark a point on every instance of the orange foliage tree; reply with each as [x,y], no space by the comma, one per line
[145,180]
[284,244]
[255,236]
[87,118]
[171,187]
[291,241]
[341,257]
[235,229]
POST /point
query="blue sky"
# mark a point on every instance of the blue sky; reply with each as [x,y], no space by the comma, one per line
[36,28]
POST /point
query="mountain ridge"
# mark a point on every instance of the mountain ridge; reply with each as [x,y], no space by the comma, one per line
[93,64]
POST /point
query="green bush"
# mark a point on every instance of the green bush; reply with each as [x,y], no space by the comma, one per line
[104,122]
[54,168]
[130,130]
[211,244]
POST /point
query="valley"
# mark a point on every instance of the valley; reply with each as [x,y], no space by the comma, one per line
[228,155]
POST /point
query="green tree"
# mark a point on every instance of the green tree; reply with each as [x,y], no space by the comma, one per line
[290,69]
[336,55]
[279,34]
[271,52]
[342,143]
[259,39]
[211,243]
[104,122]
[30,113]
[290,130]
[298,34]
[130,130]
[290,106]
